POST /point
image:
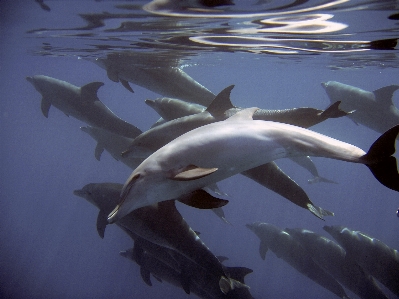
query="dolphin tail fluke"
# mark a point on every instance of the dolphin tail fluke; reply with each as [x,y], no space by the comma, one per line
[319,212]
[228,284]
[333,111]
[380,161]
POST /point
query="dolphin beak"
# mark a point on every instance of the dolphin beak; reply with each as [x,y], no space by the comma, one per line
[324,85]
[80,193]
[30,79]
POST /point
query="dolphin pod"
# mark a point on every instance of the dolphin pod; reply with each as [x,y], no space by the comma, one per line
[161,224]
[192,162]
[288,249]
[371,254]
[171,163]
[333,259]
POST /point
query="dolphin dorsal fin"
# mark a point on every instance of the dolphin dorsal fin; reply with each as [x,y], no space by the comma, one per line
[384,95]
[89,91]
[245,114]
[221,102]
[192,172]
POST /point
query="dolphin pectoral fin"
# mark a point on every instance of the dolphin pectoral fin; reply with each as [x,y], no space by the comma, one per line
[146,276]
[98,151]
[45,106]
[201,199]
[102,223]
[185,280]
[126,85]
[89,91]
[156,277]
[192,172]
[263,249]
[112,74]
[333,111]
[380,161]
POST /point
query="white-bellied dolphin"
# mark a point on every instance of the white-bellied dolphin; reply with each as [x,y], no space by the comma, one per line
[161,224]
[371,254]
[332,258]
[371,109]
[81,103]
[166,79]
[179,117]
[291,251]
[268,175]
[219,150]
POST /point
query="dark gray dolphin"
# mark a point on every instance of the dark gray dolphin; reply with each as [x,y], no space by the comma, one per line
[371,109]
[286,248]
[161,224]
[81,103]
[371,254]
[200,283]
[166,79]
[332,258]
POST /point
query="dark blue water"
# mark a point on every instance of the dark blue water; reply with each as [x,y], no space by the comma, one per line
[49,245]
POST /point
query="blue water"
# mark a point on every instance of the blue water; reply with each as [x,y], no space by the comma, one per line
[49,245]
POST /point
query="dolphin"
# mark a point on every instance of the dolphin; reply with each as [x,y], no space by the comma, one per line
[191,162]
[201,284]
[332,258]
[288,249]
[184,117]
[371,254]
[161,224]
[81,103]
[113,144]
[374,110]
[268,175]
[166,79]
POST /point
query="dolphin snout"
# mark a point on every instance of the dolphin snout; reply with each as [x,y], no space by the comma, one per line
[79,192]
[30,79]
[324,84]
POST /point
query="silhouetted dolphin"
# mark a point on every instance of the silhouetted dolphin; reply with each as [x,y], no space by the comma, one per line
[371,254]
[288,249]
[332,258]
[200,283]
[371,109]
[80,102]
[161,224]
[219,150]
